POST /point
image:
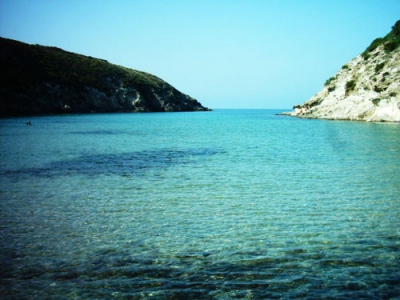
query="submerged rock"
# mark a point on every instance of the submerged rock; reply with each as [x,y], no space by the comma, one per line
[48,80]
[365,89]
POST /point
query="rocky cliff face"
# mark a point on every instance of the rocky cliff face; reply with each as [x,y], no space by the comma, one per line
[47,80]
[365,89]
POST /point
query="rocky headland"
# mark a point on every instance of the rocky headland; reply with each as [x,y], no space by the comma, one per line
[39,80]
[365,89]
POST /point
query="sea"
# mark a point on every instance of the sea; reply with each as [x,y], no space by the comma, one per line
[228,204]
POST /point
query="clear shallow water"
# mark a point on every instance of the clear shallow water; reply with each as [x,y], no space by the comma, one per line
[230,204]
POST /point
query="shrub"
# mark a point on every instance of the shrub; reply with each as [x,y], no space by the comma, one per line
[376,101]
[375,44]
[345,67]
[390,42]
[329,80]
[396,29]
[365,55]
[331,88]
[350,85]
[379,67]
[390,46]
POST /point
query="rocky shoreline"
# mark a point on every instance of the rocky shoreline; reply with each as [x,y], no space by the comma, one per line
[365,89]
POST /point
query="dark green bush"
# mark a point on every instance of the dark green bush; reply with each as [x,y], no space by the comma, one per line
[379,67]
[365,55]
[376,101]
[390,42]
[331,88]
[327,82]
[350,85]
[375,44]
[396,29]
[390,46]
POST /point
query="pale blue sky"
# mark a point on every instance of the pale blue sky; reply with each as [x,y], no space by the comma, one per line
[226,54]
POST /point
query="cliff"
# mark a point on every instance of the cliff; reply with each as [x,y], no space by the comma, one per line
[365,89]
[47,80]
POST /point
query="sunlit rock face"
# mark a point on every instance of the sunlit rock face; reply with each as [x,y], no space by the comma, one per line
[48,80]
[365,89]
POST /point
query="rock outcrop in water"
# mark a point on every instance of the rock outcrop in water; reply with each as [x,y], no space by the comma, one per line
[48,80]
[365,89]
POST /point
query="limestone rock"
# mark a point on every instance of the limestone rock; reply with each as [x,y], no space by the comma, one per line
[365,89]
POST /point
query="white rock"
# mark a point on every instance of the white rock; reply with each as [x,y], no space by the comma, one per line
[375,97]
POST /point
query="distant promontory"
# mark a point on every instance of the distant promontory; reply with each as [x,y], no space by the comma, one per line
[365,89]
[39,80]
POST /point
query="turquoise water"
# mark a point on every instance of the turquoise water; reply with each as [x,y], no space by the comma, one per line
[229,204]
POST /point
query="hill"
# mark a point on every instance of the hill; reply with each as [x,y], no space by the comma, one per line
[365,89]
[36,80]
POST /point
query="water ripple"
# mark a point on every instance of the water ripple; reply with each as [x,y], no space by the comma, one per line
[227,205]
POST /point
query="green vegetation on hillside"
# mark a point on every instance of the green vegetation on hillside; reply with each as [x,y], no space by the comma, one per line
[36,79]
[330,80]
[390,42]
[50,64]
[330,84]
[350,86]
[379,67]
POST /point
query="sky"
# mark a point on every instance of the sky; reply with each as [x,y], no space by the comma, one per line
[224,53]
